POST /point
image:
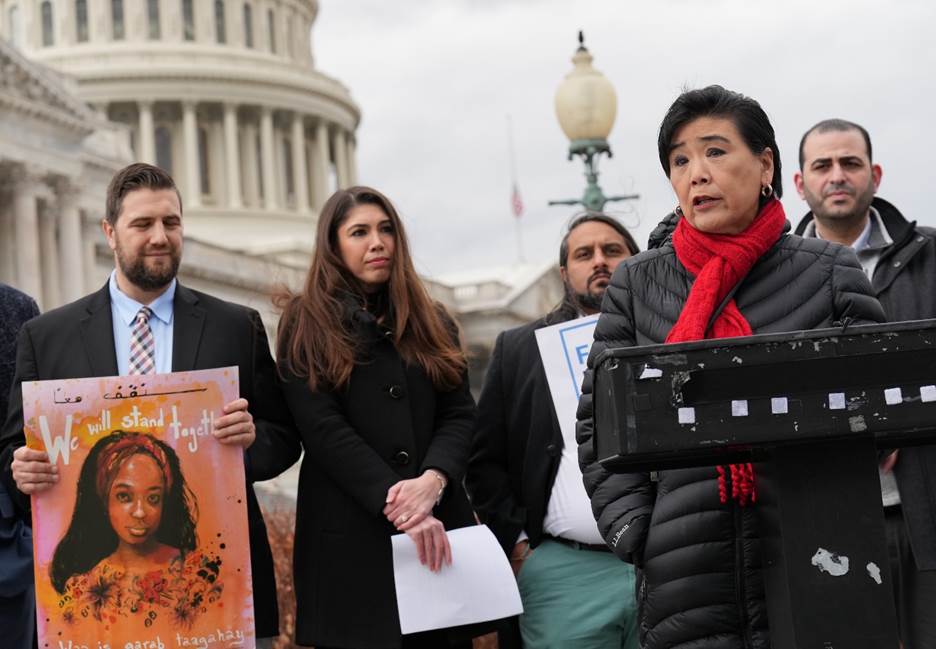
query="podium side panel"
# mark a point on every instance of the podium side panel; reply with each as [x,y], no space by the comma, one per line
[827,572]
[611,410]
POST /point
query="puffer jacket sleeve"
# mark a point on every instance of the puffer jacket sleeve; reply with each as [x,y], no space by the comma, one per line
[621,502]
[853,300]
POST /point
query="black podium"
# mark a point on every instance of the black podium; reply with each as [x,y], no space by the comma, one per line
[813,410]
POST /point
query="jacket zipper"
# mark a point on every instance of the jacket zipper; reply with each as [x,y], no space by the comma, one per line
[739,575]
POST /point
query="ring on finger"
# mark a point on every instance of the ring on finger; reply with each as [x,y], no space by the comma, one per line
[404,518]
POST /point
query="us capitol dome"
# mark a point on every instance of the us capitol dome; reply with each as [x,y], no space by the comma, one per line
[223,94]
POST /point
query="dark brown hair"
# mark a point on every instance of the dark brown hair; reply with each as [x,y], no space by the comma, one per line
[138,175]
[314,338]
[714,101]
[835,124]
[595,217]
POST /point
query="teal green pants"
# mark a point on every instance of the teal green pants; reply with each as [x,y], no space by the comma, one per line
[577,598]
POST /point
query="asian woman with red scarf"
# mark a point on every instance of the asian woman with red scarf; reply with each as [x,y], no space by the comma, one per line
[692,533]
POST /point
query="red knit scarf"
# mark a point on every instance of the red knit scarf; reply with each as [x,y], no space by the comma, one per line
[719,262]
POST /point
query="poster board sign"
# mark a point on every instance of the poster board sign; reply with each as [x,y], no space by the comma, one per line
[143,542]
[564,350]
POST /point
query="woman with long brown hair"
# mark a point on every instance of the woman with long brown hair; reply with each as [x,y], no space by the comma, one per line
[376,381]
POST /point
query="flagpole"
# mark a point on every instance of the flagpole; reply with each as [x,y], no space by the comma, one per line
[515,196]
[520,258]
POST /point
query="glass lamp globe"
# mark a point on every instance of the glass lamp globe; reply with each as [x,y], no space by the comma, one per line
[586,103]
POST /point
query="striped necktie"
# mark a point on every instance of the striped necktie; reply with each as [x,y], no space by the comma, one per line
[142,344]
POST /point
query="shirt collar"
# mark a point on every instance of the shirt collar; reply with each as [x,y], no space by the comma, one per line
[861,242]
[874,235]
[878,236]
[127,307]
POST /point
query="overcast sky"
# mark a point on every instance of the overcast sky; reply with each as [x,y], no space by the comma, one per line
[436,79]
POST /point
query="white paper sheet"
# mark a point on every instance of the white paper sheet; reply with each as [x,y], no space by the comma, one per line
[478,586]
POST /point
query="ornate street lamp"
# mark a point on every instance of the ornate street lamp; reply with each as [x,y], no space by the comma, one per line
[586,105]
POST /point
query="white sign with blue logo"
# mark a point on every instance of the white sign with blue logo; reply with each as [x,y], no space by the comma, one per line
[564,349]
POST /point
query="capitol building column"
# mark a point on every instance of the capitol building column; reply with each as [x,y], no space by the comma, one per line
[70,243]
[341,157]
[26,225]
[147,143]
[320,160]
[7,256]
[352,160]
[267,163]
[300,174]
[50,256]
[192,163]
[67,24]
[232,155]
[251,179]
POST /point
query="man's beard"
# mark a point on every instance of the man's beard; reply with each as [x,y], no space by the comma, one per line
[589,301]
[582,303]
[142,277]
[862,203]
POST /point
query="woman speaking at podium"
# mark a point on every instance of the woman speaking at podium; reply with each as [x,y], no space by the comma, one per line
[722,265]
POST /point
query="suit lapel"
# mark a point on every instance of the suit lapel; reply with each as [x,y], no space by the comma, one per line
[188,321]
[97,334]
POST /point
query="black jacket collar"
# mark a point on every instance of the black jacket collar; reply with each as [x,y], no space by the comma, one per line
[897,226]
[188,322]
[97,331]
[360,317]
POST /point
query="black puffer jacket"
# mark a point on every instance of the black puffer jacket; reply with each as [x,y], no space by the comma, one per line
[700,584]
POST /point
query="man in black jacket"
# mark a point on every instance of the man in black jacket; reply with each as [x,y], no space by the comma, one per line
[838,179]
[144,321]
[17,602]
[524,478]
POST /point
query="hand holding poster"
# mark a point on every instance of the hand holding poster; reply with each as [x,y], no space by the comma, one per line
[142,543]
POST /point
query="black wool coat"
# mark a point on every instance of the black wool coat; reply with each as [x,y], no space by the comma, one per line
[905,283]
[518,443]
[699,563]
[388,424]
[17,617]
[16,308]
[77,341]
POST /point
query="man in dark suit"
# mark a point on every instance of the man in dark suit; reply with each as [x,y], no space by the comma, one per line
[144,321]
[17,601]
[524,478]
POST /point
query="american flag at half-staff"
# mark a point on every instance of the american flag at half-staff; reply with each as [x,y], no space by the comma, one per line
[516,202]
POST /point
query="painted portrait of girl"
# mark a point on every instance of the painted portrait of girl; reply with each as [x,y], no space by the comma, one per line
[130,551]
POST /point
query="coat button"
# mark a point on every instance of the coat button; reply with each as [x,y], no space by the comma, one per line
[396,392]
[552,450]
[401,458]
[896,264]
